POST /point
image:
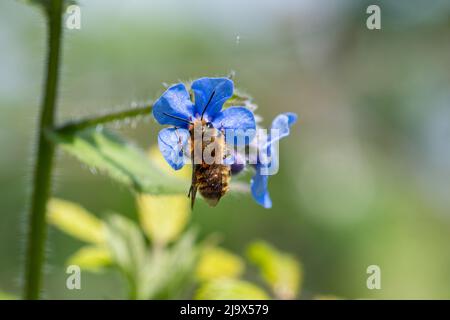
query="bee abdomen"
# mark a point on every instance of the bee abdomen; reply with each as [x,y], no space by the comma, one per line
[213,182]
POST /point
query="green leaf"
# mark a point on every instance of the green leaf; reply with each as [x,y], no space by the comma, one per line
[122,161]
[230,289]
[92,258]
[281,271]
[218,263]
[76,221]
[238,99]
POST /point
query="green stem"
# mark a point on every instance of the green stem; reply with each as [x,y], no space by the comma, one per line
[45,154]
[141,110]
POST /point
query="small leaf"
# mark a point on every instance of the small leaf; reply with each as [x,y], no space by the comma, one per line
[92,258]
[163,217]
[237,99]
[75,221]
[281,271]
[119,159]
[218,263]
[230,289]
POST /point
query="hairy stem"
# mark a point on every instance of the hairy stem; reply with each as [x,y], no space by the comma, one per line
[45,154]
[140,110]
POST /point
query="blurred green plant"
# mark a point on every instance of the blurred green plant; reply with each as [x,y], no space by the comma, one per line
[118,242]
[281,271]
[154,269]
[230,289]
[7,296]
[76,221]
[219,273]
[217,263]
[142,253]
[160,259]
[97,150]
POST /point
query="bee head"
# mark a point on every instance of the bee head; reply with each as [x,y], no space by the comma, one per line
[206,126]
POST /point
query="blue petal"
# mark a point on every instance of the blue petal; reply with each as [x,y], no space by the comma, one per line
[268,150]
[174,102]
[203,89]
[258,186]
[282,123]
[237,121]
[259,182]
[172,142]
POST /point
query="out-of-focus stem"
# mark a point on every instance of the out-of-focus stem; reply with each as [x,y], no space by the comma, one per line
[43,164]
[141,110]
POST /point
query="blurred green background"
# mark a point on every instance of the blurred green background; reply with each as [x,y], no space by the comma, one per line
[364,177]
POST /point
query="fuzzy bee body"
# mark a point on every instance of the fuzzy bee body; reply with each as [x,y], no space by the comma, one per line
[211,180]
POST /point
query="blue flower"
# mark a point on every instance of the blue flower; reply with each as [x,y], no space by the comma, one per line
[259,182]
[175,108]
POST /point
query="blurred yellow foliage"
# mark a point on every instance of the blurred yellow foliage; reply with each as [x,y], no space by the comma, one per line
[7,296]
[218,263]
[326,297]
[163,217]
[76,221]
[281,271]
[158,160]
[91,258]
[225,289]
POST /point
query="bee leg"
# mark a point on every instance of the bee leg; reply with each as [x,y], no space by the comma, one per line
[193,189]
[193,193]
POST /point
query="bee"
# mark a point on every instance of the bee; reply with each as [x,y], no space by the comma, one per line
[212,180]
